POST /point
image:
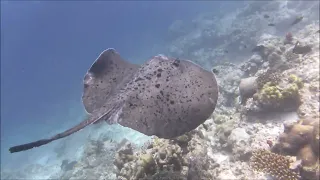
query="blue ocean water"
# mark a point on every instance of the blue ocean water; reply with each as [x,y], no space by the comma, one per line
[47,47]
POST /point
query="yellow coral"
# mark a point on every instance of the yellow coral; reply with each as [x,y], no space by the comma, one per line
[291,91]
[275,95]
[156,141]
[271,92]
[274,164]
[295,79]
[147,159]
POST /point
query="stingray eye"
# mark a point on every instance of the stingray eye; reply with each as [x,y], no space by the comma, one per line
[88,79]
[86,85]
[162,57]
[176,62]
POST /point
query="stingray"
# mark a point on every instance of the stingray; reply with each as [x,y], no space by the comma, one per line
[165,96]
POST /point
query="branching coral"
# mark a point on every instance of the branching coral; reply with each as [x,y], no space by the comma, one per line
[124,155]
[274,164]
[161,156]
[269,76]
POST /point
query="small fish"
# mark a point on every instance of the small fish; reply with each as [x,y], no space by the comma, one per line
[295,164]
[258,48]
[215,71]
[270,143]
[245,46]
[271,24]
[226,51]
[301,49]
[266,16]
[67,166]
[297,20]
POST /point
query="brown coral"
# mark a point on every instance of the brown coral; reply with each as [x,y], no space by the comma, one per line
[268,76]
[274,164]
[301,139]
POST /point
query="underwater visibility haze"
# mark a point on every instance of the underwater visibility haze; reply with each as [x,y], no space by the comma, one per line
[160,90]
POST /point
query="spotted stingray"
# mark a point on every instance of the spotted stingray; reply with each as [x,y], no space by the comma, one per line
[165,97]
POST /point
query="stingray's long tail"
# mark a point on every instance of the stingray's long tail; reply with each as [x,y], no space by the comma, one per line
[68,132]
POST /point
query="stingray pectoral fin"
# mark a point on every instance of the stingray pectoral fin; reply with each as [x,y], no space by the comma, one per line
[92,119]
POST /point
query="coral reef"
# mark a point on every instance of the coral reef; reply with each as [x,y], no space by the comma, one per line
[268,76]
[247,88]
[222,146]
[301,139]
[277,93]
[95,162]
[182,158]
[281,79]
[276,165]
[288,38]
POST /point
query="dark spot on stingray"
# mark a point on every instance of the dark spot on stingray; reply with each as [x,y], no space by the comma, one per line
[297,20]
[258,49]
[158,75]
[160,70]
[98,67]
[271,24]
[138,79]
[266,16]
[161,116]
